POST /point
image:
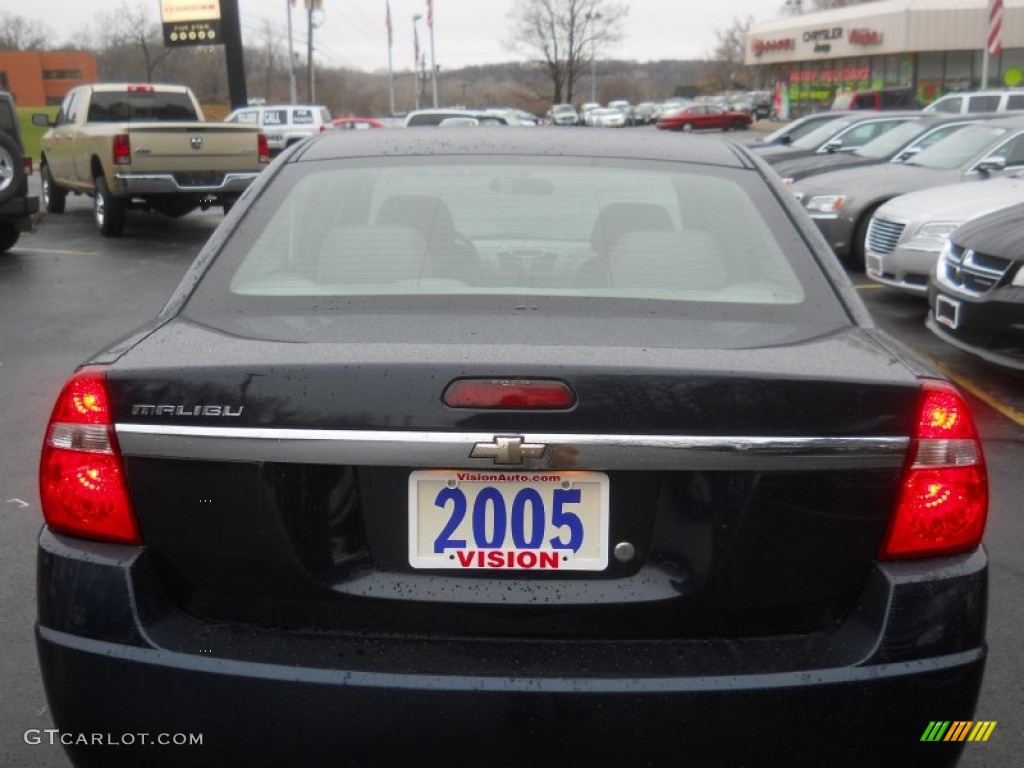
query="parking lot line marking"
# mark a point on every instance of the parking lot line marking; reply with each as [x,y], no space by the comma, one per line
[990,400]
[59,252]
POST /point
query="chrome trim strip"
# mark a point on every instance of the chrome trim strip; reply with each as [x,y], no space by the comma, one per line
[452,449]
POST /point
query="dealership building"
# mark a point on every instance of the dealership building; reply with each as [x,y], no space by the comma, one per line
[933,46]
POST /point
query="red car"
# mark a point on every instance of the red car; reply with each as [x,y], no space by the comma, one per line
[699,117]
[356,123]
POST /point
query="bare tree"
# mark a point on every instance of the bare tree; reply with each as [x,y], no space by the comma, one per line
[796,7]
[726,70]
[132,42]
[561,36]
[20,34]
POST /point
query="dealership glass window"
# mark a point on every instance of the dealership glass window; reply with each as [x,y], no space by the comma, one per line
[959,71]
[993,70]
[930,69]
[1011,73]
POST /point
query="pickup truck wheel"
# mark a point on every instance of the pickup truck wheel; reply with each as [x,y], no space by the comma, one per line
[53,196]
[108,210]
[12,171]
[8,236]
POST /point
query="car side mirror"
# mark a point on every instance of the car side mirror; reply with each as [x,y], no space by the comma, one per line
[834,146]
[43,121]
[786,140]
[991,164]
[906,154]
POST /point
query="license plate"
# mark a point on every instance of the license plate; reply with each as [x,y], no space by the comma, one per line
[947,312]
[520,521]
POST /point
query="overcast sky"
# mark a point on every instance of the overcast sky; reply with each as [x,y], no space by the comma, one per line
[466,31]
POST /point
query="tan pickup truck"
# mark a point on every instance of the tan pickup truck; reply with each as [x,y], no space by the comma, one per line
[146,147]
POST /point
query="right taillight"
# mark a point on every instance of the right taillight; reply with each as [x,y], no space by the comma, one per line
[943,499]
[82,484]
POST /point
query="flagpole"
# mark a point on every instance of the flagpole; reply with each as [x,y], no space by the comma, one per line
[416,58]
[433,63]
[993,37]
[291,59]
[391,67]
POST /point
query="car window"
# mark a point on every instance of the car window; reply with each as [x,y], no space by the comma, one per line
[275,117]
[892,141]
[952,104]
[466,228]
[1015,101]
[861,134]
[985,103]
[248,117]
[141,105]
[1012,152]
[821,134]
[958,149]
[67,110]
[303,117]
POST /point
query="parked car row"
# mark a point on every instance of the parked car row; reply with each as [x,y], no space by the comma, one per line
[932,206]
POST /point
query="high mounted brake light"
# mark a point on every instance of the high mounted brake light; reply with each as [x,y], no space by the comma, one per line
[82,483]
[943,500]
[511,394]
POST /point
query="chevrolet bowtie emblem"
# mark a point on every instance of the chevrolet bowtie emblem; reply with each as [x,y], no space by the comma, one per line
[507,450]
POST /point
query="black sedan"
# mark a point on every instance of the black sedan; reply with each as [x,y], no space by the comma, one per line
[976,291]
[511,446]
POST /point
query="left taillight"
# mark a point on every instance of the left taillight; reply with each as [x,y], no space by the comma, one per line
[122,149]
[943,503]
[264,148]
[82,483]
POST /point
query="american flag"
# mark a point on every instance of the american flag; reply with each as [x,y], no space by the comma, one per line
[430,13]
[387,21]
[995,27]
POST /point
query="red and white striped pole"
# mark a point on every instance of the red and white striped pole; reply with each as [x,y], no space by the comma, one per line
[993,37]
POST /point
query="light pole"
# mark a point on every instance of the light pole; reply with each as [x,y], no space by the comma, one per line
[590,19]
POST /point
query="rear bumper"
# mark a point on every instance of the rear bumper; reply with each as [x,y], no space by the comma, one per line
[117,658]
[130,184]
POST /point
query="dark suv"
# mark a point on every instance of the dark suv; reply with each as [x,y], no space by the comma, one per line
[16,207]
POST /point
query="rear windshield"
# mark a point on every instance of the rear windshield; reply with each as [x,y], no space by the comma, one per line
[571,230]
[126,107]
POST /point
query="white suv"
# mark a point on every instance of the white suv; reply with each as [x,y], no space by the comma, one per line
[284,124]
[978,101]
